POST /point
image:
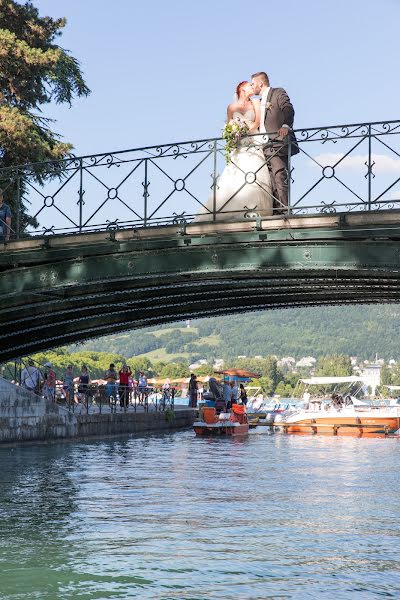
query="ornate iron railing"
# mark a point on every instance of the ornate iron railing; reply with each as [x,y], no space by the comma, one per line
[338,168]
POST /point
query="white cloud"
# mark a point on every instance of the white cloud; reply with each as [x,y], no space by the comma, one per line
[395,195]
[383,162]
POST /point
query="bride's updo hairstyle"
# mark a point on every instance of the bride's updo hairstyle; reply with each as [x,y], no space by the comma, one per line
[239,88]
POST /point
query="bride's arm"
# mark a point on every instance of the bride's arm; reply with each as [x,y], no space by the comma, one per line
[229,112]
[257,109]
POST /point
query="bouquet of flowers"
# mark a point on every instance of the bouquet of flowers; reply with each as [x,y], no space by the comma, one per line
[232,133]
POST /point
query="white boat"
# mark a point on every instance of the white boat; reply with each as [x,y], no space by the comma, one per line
[341,415]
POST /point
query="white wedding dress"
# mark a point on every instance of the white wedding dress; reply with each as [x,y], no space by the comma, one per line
[244,188]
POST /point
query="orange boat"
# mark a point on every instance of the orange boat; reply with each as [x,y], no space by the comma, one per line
[341,416]
[232,423]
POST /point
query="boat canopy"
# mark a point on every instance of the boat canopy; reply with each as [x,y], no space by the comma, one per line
[331,380]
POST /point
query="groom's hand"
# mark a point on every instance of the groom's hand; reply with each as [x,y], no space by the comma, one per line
[283,132]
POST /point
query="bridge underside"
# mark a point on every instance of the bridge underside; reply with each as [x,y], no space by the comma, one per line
[60,290]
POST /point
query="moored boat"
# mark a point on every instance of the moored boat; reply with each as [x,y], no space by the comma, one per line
[341,415]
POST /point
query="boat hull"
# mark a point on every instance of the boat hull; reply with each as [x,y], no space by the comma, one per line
[355,426]
[204,429]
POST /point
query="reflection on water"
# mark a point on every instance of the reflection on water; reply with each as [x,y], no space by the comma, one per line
[172,516]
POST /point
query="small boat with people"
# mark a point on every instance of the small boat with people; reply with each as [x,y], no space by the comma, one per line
[340,414]
[219,417]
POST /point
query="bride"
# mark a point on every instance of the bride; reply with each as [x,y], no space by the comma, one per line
[244,188]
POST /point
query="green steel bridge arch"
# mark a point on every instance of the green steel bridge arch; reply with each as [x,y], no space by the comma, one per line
[63,289]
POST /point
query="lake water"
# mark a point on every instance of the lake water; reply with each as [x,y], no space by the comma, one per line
[175,517]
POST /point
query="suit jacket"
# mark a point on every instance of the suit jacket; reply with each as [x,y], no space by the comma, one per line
[280,112]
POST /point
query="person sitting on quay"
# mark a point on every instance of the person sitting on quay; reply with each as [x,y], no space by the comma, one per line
[30,377]
[142,387]
[124,374]
[49,387]
[111,377]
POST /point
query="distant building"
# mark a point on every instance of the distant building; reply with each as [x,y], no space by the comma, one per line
[306,362]
[197,364]
[188,323]
[371,375]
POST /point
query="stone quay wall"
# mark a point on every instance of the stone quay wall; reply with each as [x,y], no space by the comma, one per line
[24,417]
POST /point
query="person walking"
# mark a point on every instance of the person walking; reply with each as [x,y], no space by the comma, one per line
[124,375]
[30,377]
[68,384]
[142,387]
[111,387]
[49,387]
[83,384]
[193,391]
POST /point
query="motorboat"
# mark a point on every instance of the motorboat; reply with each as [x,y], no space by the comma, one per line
[264,411]
[233,423]
[341,414]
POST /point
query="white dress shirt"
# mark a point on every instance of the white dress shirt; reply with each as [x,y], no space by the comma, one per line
[263,104]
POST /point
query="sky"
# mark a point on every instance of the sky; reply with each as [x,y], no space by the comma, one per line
[164,70]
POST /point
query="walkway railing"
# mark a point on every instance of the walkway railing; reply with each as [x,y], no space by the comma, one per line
[339,168]
[92,397]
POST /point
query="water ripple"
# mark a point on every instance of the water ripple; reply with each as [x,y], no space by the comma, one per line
[172,516]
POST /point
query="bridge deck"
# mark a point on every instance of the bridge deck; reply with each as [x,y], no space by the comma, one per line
[61,289]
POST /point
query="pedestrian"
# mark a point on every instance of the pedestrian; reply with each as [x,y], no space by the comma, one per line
[30,377]
[124,375]
[49,387]
[142,387]
[83,384]
[111,377]
[68,384]
[5,219]
[193,391]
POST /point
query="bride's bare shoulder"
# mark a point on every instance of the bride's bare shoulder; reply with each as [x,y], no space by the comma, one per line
[232,106]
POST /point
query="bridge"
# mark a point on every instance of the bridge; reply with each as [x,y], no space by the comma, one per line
[79,279]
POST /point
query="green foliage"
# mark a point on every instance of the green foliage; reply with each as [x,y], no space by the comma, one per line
[33,71]
[334,366]
[175,370]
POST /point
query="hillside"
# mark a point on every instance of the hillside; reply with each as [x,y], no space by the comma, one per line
[362,331]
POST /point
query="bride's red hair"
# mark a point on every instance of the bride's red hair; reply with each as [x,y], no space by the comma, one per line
[239,87]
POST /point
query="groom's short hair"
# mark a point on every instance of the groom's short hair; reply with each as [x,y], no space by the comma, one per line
[263,75]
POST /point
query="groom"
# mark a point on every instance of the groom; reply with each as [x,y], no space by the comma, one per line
[276,120]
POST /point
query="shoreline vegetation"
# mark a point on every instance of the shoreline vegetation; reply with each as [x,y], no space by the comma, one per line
[254,341]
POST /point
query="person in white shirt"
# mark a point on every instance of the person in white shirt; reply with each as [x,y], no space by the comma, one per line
[30,377]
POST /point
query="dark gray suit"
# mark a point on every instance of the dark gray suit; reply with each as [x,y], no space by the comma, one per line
[279,111]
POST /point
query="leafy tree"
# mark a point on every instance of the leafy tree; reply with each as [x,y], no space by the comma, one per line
[337,365]
[175,370]
[34,71]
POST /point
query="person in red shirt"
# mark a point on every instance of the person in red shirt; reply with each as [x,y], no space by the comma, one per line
[124,375]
